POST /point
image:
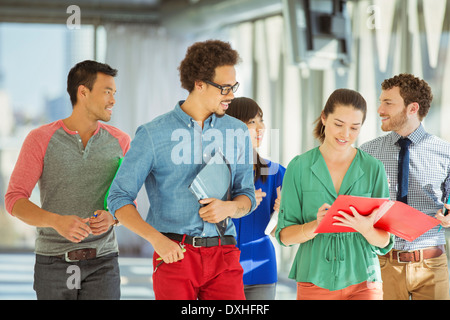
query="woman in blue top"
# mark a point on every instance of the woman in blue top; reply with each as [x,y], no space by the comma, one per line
[257,251]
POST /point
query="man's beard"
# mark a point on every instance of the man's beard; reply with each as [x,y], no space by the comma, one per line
[396,122]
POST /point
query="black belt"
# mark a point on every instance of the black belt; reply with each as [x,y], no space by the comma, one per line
[202,241]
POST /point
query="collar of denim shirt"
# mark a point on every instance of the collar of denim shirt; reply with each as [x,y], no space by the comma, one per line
[188,120]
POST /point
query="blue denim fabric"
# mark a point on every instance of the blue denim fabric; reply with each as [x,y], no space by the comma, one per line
[166,154]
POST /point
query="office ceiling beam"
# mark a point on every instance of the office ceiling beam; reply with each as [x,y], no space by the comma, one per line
[92,12]
[182,16]
[207,15]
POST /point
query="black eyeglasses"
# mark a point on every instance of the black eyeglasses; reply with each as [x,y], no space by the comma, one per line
[224,89]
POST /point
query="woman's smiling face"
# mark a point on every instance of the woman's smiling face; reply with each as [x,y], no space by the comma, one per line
[342,127]
[256,128]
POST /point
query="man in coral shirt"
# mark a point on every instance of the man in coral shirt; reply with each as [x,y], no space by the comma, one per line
[74,160]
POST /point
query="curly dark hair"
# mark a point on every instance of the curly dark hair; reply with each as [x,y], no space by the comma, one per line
[412,89]
[202,59]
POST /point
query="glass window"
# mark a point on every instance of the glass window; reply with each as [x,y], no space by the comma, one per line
[34,62]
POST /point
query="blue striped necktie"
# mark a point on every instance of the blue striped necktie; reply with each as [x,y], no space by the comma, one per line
[403,170]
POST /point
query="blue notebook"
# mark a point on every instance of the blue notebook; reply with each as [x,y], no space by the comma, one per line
[214,181]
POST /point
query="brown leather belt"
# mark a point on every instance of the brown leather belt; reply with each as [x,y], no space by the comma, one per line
[78,255]
[416,255]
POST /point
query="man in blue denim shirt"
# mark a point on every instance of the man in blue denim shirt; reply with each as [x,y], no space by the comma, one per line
[166,155]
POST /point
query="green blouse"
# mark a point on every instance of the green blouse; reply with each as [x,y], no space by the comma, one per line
[331,260]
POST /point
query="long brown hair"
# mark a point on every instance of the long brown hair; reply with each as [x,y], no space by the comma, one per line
[345,97]
[244,109]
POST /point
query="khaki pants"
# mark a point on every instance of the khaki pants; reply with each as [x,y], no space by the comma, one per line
[424,280]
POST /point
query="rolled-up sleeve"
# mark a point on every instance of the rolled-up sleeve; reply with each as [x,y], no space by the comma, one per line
[243,185]
[131,175]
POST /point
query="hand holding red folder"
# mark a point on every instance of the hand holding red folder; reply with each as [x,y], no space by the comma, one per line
[393,216]
[361,223]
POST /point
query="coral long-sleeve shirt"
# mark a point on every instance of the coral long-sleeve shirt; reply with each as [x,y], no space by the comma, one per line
[72,179]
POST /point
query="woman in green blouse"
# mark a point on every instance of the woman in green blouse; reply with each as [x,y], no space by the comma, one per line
[334,265]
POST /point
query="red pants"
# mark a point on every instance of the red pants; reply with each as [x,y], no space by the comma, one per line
[205,273]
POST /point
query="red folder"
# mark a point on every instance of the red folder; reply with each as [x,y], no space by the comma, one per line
[393,216]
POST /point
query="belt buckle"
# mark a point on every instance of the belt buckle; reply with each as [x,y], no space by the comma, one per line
[66,257]
[193,242]
[403,251]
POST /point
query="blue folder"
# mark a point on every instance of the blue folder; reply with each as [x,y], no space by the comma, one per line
[214,181]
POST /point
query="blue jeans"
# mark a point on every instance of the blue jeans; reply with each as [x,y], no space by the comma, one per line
[95,279]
